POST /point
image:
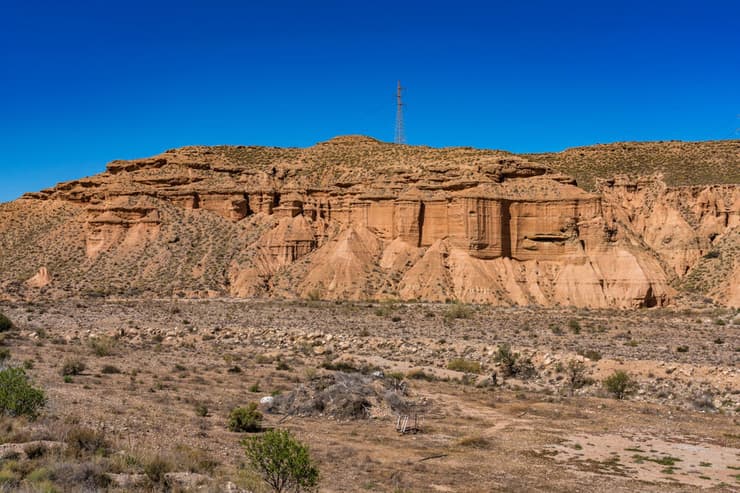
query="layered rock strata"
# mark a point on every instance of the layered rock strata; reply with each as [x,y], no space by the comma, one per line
[356,218]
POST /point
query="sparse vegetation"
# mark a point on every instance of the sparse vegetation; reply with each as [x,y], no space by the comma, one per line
[83,441]
[102,346]
[201,410]
[18,397]
[109,370]
[457,311]
[576,375]
[512,363]
[345,366]
[156,468]
[419,374]
[72,366]
[619,384]
[665,460]
[506,358]
[282,461]
[245,419]
[476,442]
[352,397]
[4,356]
[681,163]
[591,354]
[464,365]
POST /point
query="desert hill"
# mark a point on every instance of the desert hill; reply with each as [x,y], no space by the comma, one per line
[357,218]
[680,163]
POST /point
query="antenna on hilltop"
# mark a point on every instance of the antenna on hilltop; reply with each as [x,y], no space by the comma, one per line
[400,135]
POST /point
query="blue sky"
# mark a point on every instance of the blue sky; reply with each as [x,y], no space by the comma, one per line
[83,83]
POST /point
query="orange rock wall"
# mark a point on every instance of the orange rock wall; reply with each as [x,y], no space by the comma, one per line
[486,227]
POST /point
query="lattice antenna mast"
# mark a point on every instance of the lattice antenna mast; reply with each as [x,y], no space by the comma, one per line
[400,134]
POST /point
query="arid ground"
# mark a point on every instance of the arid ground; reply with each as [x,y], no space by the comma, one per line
[161,377]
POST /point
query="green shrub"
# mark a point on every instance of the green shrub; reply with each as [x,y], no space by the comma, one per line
[282,461]
[110,370]
[576,375]
[394,375]
[385,309]
[574,326]
[102,346]
[591,354]
[5,323]
[419,374]
[619,384]
[201,410]
[72,366]
[245,419]
[464,365]
[512,363]
[506,358]
[475,441]
[343,366]
[17,396]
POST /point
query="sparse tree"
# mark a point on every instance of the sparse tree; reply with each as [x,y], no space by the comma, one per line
[17,396]
[619,384]
[507,359]
[513,363]
[282,461]
[575,374]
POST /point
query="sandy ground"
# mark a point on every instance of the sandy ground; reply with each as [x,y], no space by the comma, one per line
[679,430]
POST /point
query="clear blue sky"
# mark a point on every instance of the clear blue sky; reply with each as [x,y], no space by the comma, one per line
[82,83]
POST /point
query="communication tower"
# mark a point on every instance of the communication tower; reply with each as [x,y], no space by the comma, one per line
[400,134]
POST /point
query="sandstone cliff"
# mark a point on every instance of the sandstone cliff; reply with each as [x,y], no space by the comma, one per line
[356,218]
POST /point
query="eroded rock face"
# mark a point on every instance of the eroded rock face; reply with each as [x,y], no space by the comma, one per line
[680,224]
[119,222]
[356,218]
[41,279]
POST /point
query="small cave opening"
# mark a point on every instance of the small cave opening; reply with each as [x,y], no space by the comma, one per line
[650,301]
[547,238]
